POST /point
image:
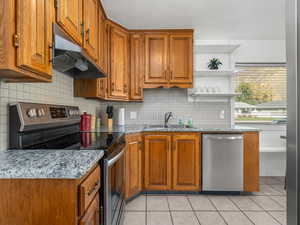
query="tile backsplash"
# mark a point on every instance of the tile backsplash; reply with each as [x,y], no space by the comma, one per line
[60,91]
[158,101]
[151,111]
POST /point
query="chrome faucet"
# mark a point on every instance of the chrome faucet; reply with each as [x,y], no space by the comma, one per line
[168,116]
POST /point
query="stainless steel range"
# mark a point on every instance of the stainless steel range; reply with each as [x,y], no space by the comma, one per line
[43,126]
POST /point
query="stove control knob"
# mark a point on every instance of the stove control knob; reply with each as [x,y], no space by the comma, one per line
[40,112]
[31,113]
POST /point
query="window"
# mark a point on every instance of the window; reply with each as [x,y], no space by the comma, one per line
[262,93]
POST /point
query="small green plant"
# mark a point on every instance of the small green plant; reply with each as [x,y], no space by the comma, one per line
[214,64]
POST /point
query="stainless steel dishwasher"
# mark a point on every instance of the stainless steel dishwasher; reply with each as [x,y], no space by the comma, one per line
[222,165]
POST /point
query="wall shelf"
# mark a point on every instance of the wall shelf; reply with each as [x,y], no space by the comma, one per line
[214,73]
[215,48]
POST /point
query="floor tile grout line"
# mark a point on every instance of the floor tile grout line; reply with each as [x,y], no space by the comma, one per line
[241,210]
[194,212]
[217,210]
[170,210]
[268,212]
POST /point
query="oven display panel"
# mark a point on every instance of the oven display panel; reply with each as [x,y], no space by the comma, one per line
[58,112]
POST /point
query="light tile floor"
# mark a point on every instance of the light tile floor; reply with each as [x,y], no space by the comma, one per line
[267,207]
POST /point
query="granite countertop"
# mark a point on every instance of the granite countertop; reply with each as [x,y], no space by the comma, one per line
[47,164]
[127,129]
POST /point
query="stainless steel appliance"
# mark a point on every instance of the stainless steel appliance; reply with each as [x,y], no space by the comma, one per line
[43,126]
[222,161]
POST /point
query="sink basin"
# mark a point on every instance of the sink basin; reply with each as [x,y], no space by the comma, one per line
[169,126]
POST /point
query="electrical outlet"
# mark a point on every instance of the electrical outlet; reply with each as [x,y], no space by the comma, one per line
[133,115]
[222,114]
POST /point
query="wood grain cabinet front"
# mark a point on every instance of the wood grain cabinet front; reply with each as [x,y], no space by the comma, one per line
[26,45]
[69,15]
[92,215]
[172,162]
[133,158]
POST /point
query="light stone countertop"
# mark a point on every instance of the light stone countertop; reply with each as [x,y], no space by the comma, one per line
[47,164]
[128,129]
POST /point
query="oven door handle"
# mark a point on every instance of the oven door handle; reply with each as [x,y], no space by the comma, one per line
[116,158]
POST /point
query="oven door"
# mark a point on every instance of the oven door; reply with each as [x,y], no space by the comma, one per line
[114,186]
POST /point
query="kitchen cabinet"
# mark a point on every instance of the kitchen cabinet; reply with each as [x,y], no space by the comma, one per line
[69,15]
[181,59]
[91,28]
[119,63]
[169,59]
[133,171]
[172,162]
[26,44]
[186,162]
[156,56]
[103,42]
[158,158]
[51,201]
[251,161]
[137,67]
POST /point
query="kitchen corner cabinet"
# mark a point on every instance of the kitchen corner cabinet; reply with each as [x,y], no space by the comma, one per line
[69,16]
[172,162]
[51,201]
[91,28]
[251,161]
[118,88]
[137,68]
[26,44]
[169,59]
[133,159]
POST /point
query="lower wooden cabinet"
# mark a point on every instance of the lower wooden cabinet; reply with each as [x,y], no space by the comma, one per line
[251,161]
[133,171]
[92,215]
[186,162]
[158,157]
[172,162]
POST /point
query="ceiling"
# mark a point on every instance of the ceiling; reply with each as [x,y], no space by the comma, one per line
[212,19]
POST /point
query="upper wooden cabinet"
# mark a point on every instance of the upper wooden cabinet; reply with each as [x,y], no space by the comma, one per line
[91,28]
[181,58]
[137,68]
[103,42]
[133,171]
[169,59]
[69,16]
[186,162]
[26,44]
[118,88]
[156,60]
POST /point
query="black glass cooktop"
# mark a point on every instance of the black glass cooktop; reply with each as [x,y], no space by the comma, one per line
[82,141]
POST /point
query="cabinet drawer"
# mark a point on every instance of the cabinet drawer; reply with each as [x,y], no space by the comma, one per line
[88,189]
[92,215]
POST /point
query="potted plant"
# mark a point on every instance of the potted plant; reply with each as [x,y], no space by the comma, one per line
[214,64]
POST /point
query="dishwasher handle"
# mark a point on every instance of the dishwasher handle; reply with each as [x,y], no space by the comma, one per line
[219,137]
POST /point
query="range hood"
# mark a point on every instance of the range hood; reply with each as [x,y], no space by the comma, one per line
[71,59]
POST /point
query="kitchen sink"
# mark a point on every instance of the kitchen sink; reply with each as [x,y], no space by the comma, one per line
[169,126]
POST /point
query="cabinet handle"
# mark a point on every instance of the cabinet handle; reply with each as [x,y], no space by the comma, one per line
[88,35]
[125,88]
[50,53]
[95,187]
[112,86]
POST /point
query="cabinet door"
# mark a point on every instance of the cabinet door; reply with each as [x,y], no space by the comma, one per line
[156,56]
[91,26]
[118,77]
[181,58]
[137,66]
[69,17]
[186,162]
[92,215]
[102,42]
[251,162]
[133,166]
[102,88]
[157,162]
[34,30]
